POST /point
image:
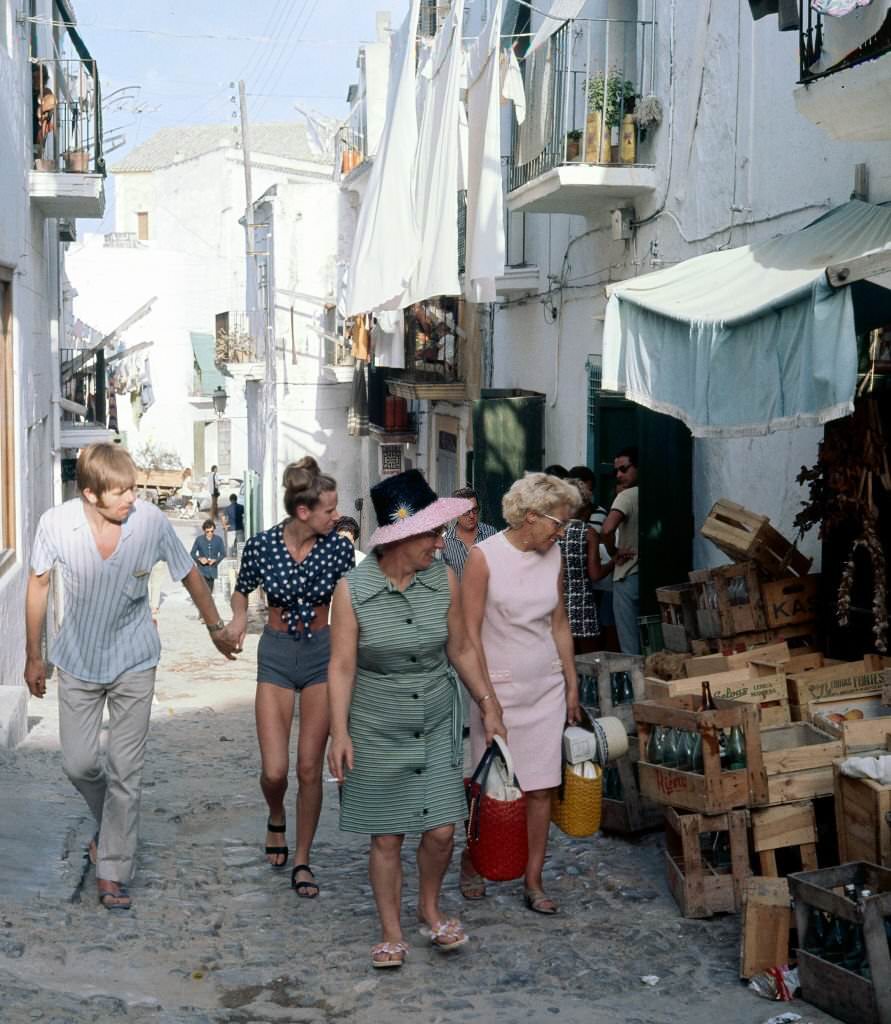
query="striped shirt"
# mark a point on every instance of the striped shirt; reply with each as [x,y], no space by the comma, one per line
[454,553]
[107,627]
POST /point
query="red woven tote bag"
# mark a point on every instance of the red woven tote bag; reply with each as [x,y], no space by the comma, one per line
[496,823]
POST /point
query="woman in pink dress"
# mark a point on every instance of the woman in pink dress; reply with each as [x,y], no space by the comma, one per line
[512,593]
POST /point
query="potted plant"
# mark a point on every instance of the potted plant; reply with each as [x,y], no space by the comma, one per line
[573,145]
[611,100]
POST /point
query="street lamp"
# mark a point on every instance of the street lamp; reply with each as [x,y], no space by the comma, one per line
[219,399]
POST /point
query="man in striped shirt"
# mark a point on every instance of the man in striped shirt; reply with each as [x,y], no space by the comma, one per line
[466,531]
[105,544]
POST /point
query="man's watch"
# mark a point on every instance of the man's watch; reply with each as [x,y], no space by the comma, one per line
[215,627]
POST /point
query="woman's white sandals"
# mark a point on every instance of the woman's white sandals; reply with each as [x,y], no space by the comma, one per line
[446,935]
[395,953]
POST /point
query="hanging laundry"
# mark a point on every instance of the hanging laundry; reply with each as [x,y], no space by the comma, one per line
[146,392]
[838,8]
[388,339]
[357,415]
[112,406]
[512,89]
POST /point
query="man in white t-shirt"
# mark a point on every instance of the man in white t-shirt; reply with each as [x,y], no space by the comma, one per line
[620,534]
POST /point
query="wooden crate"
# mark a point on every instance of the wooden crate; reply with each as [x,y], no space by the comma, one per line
[704,664]
[677,607]
[793,664]
[862,819]
[746,536]
[831,987]
[699,887]
[858,734]
[791,601]
[741,684]
[766,922]
[774,713]
[603,665]
[837,680]
[728,600]
[633,813]
[797,760]
[776,828]
[713,790]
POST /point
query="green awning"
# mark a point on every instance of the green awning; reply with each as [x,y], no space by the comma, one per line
[207,376]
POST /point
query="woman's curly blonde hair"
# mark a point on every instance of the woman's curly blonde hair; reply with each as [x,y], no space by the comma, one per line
[537,492]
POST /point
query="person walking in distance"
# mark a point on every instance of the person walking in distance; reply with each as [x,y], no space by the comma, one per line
[233,519]
[213,485]
[106,542]
[622,522]
[208,551]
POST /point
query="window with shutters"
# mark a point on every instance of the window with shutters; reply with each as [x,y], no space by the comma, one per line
[142,226]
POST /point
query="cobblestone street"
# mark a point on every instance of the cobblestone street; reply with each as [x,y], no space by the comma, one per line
[216,936]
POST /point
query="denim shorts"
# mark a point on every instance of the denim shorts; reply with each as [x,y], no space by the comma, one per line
[292,662]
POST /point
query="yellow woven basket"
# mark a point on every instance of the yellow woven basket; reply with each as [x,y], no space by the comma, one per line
[578,813]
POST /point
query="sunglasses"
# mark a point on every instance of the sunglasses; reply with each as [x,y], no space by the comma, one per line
[624,469]
[562,523]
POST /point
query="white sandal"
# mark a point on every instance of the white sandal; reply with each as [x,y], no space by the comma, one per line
[446,935]
[397,949]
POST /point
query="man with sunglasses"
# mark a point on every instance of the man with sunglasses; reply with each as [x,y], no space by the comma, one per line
[620,534]
[466,531]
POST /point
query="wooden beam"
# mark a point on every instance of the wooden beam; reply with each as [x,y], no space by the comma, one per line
[858,269]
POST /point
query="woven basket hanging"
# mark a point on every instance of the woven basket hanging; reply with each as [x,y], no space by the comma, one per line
[576,807]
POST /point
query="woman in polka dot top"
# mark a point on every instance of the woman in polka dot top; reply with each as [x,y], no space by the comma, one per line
[297,563]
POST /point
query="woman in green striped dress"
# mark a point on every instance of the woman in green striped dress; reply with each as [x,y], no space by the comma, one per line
[396,713]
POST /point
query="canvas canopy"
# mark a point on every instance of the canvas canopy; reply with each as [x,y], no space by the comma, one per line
[754,339]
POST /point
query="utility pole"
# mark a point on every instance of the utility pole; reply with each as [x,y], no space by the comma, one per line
[246,162]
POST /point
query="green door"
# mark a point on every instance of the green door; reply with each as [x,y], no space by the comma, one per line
[508,440]
[665,470]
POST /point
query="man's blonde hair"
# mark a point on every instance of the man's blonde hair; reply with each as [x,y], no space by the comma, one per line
[103,467]
[538,492]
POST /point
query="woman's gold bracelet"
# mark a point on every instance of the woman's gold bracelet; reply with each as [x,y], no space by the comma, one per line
[484,698]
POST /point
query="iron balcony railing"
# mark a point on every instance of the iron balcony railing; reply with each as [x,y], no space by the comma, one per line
[584,91]
[462,230]
[233,340]
[811,27]
[67,119]
[352,139]
[83,382]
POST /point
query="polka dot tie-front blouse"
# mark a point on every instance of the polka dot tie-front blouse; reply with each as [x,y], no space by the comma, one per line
[295,587]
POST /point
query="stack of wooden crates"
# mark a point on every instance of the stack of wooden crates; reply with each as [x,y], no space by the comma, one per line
[624,810]
[763,596]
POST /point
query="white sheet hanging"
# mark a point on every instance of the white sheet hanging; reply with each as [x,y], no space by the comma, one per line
[484,258]
[512,90]
[387,243]
[560,11]
[437,165]
[388,336]
[532,135]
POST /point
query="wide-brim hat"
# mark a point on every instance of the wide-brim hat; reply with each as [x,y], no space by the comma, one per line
[406,505]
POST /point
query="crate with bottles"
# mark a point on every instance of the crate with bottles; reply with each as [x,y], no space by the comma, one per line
[677,610]
[625,811]
[700,753]
[744,684]
[706,861]
[728,600]
[843,918]
[612,683]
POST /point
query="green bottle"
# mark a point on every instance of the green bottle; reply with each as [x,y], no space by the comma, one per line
[836,945]
[736,750]
[656,745]
[627,689]
[685,751]
[696,763]
[816,932]
[670,749]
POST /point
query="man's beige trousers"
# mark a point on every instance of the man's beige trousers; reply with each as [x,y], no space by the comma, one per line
[112,791]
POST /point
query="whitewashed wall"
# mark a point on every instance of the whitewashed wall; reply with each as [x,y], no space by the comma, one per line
[736,164]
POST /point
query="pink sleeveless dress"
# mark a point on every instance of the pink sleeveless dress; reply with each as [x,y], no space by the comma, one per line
[522,658]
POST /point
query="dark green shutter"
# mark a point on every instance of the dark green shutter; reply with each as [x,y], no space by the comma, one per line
[508,440]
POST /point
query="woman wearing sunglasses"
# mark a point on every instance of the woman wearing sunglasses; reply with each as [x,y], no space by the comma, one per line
[512,592]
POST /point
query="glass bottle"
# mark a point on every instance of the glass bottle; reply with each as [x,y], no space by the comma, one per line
[656,745]
[670,749]
[628,688]
[722,749]
[736,750]
[615,688]
[685,751]
[836,944]
[708,702]
[815,939]
[696,762]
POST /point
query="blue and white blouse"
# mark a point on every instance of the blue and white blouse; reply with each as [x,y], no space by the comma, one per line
[295,587]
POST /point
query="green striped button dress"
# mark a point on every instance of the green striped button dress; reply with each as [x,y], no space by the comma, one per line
[405,714]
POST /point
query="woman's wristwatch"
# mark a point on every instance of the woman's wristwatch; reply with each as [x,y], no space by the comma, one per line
[215,627]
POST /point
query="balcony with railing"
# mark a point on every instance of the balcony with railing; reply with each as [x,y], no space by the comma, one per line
[233,341]
[68,173]
[590,119]
[352,138]
[845,71]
